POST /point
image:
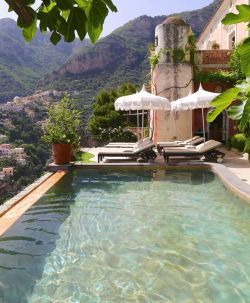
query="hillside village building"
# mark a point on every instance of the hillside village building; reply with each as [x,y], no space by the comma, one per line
[6,150]
[173,78]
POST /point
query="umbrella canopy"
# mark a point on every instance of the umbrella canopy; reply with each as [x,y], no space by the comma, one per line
[200,99]
[177,105]
[142,101]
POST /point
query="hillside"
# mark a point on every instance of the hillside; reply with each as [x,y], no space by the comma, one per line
[22,64]
[121,56]
[78,66]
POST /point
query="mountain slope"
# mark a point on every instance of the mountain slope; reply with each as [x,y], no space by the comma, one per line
[22,65]
[121,56]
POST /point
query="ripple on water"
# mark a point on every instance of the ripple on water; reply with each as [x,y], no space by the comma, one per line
[148,236]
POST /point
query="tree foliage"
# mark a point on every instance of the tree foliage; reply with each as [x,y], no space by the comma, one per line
[239,111]
[63,18]
[105,119]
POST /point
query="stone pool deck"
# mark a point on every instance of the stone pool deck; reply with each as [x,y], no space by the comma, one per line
[235,161]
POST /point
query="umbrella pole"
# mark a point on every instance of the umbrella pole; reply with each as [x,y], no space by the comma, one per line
[203,124]
[191,124]
[138,126]
[142,136]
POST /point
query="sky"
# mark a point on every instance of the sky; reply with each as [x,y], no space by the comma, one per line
[130,9]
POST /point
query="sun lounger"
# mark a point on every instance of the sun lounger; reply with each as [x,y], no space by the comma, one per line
[145,151]
[192,141]
[207,149]
[129,144]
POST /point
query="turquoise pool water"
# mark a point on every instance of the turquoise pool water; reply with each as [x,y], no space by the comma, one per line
[129,236]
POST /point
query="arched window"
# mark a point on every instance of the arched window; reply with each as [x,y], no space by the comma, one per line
[156,41]
[231,40]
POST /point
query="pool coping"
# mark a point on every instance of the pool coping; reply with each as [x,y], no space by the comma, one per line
[24,193]
[14,208]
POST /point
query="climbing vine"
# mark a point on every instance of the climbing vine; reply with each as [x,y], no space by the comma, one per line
[191,47]
[216,76]
[155,58]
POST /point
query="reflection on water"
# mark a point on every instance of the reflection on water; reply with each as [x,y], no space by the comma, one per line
[135,236]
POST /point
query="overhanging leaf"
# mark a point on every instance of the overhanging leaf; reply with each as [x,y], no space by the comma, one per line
[62,29]
[97,13]
[29,32]
[28,2]
[247,147]
[65,4]
[46,2]
[55,38]
[222,102]
[43,21]
[70,27]
[23,23]
[242,16]
[80,22]
[54,19]
[65,14]
[244,51]
[111,5]
[235,111]
[245,120]
[83,4]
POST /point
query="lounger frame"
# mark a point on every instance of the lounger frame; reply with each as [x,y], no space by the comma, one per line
[146,154]
[211,155]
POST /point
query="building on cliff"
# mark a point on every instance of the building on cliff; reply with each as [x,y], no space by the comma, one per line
[223,36]
[173,75]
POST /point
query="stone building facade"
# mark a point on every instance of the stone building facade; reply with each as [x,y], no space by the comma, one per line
[173,76]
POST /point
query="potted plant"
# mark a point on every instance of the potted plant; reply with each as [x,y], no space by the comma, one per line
[61,130]
[215,45]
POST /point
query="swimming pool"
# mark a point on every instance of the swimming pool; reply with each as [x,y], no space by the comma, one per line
[129,236]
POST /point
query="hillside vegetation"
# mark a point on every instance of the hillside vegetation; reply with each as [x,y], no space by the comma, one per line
[120,57]
[23,64]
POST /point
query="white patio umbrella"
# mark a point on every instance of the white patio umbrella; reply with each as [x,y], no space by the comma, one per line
[142,101]
[200,99]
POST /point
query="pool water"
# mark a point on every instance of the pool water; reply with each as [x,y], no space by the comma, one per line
[129,236]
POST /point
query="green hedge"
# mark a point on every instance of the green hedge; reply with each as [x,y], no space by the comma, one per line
[238,141]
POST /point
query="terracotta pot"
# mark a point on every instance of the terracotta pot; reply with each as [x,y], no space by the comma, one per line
[62,153]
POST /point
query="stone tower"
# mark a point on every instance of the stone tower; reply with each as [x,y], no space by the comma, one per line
[172,78]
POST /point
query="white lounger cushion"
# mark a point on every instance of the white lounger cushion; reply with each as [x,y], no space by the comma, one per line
[117,150]
[179,142]
[201,148]
[130,144]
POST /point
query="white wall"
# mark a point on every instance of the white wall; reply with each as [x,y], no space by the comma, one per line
[220,33]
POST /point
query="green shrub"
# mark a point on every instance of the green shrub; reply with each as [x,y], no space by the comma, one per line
[238,141]
[117,135]
[62,124]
